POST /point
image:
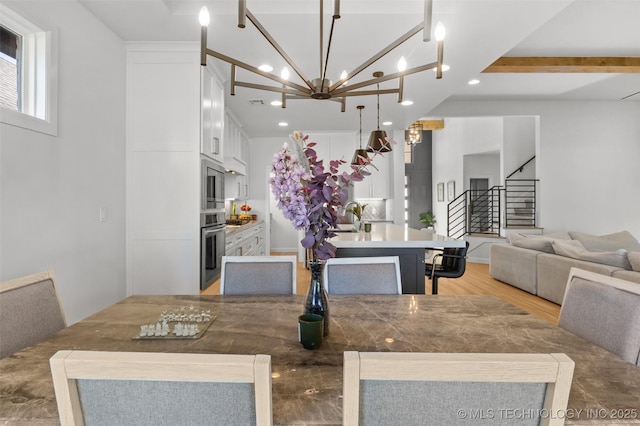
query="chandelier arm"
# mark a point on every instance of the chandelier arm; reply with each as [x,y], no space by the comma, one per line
[272,89]
[369,92]
[279,49]
[415,30]
[387,77]
[255,70]
[321,39]
[326,61]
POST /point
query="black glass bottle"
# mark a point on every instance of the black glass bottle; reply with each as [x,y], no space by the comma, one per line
[316,301]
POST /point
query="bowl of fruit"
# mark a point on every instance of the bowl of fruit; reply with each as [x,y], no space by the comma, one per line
[245,208]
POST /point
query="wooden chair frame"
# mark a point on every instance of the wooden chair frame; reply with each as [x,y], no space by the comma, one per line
[68,366]
[395,260]
[554,369]
[258,259]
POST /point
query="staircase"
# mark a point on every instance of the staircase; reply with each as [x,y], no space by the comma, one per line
[489,212]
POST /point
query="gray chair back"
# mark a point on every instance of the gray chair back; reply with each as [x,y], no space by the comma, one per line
[136,388]
[603,310]
[442,388]
[30,311]
[363,275]
[246,275]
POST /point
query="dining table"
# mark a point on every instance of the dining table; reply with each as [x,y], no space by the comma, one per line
[307,384]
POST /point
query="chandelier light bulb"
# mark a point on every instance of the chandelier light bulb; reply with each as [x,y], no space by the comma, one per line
[343,76]
[285,73]
[402,64]
[440,31]
[204,16]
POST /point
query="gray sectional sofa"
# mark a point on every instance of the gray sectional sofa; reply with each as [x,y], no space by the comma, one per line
[540,264]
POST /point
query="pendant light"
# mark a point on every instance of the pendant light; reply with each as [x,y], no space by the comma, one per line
[378,139]
[360,152]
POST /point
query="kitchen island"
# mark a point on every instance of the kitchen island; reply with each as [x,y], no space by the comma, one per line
[387,239]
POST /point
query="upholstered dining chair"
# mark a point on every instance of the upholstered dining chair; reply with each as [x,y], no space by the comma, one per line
[604,310]
[147,388]
[451,263]
[30,311]
[363,275]
[244,275]
[384,388]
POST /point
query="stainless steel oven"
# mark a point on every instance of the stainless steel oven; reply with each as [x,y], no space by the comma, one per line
[212,247]
[212,186]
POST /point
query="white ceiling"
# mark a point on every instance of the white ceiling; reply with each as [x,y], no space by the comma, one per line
[478,32]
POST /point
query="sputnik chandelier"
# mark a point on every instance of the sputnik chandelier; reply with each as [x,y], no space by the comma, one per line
[322,87]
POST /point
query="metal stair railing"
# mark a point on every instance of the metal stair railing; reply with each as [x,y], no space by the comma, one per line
[520,203]
[484,212]
[457,216]
[475,212]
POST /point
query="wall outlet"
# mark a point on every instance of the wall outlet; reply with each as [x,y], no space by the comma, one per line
[103,214]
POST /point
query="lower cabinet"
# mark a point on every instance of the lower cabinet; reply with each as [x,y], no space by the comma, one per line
[248,242]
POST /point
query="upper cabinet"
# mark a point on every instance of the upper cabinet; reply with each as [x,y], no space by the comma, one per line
[342,146]
[212,110]
[235,146]
[377,185]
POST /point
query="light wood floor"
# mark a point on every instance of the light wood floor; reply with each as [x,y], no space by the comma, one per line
[475,281]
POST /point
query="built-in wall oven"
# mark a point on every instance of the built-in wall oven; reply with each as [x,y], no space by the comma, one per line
[212,247]
[212,223]
[212,187]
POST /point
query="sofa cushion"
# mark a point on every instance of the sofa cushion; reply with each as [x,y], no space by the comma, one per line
[609,242]
[627,276]
[532,242]
[553,271]
[634,259]
[616,258]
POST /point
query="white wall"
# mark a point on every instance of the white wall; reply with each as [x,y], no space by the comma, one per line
[53,187]
[460,137]
[587,160]
[519,146]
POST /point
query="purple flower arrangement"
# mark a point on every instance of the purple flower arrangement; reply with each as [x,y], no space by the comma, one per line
[311,195]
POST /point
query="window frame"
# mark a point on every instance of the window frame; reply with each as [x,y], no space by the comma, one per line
[39,75]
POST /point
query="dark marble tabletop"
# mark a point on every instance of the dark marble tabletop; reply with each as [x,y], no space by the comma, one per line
[307,385]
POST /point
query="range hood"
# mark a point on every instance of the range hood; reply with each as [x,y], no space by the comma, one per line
[235,166]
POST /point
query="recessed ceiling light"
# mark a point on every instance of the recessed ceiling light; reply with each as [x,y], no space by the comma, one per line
[265,68]
[445,67]
[406,103]
[283,124]
[387,123]
[276,103]
[473,82]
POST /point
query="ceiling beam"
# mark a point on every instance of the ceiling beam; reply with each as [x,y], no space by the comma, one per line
[430,124]
[562,64]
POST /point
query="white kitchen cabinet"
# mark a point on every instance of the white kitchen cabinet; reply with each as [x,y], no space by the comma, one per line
[378,184]
[236,186]
[235,158]
[248,242]
[163,152]
[212,110]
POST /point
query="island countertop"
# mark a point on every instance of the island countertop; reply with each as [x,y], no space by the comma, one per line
[388,235]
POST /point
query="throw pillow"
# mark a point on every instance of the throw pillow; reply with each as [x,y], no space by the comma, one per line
[571,249]
[531,242]
[634,259]
[609,242]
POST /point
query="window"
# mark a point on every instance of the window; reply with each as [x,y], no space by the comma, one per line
[28,74]
[10,46]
